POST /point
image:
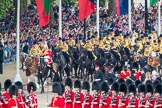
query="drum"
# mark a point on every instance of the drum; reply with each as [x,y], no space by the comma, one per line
[153,61]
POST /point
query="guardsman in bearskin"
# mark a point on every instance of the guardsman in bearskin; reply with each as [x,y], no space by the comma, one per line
[32,100]
[35,50]
[95,96]
[141,96]
[6,94]
[20,97]
[13,101]
[122,95]
[149,95]
[71,41]
[56,100]
[87,97]
[148,49]
[105,100]
[78,96]
[132,101]
[89,46]
[114,95]
[68,94]
[59,43]
[125,74]
[157,96]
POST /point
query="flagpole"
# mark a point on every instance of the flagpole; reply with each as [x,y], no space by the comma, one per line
[129,16]
[18,77]
[98,17]
[60,18]
[159,18]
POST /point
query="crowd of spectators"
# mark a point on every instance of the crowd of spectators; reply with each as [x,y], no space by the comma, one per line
[30,30]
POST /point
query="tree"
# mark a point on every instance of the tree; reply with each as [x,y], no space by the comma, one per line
[5,5]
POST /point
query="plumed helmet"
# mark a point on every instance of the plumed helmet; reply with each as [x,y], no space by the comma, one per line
[7,84]
[86,85]
[158,89]
[104,87]
[95,86]
[129,82]
[77,84]
[121,80]
[149,88]
[115,87]
[156,82]
[132,88]
[56,88]
[31,86]
[137,82]
[13,90]
[123,88]
[141,88]
[135,65]
[68,82]
[62,89]
[19,85]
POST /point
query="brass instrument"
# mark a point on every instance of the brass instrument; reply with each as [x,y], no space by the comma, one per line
[95,97]
[77,96]
[103,98]
[68,96]
[113,100]
[4,99]
[86,98]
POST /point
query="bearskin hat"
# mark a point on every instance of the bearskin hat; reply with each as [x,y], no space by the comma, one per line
[77,84]
[68,82]
[121,80]
[104,87]
[123,88]
[19,85]
[62,89]
[135,65]
[95,86]
[129,82]
[31,86]
[132,88]
[7,84]
[141,88]
[111,81]
[137,82]
[13,90]
[149,88]
[156,82]
[86,85]
[158,89]
[115,87]
[148,82]
[56,88]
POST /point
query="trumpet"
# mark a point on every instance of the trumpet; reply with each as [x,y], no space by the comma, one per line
[77,96]
[4,99]
[68,97]
[95,98]
[86,98]
[103,98]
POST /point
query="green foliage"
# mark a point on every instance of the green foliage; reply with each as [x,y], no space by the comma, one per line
[5,5]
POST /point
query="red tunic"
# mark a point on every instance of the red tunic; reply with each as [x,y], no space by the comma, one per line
[34,101]
[124,74]
[57,102]
[150,101]
[95,101]
[105,102]
[133,101]
[13,103]
[21,101]
[48,55]
[141,102]
[114,101]
[7,96]
[87,101]
[158,102]
[124,102]
[138,75]
[78,100]
[69,97]
[1,104]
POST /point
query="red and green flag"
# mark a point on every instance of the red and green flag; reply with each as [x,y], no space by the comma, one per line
[153,2]
[43,7]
